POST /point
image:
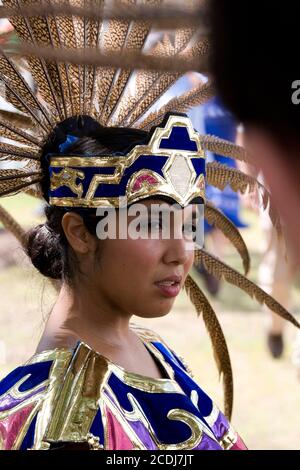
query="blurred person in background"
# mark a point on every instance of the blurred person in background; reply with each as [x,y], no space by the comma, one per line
[276,270]
[257,81]
[89,360]
[255,67]
[219,122]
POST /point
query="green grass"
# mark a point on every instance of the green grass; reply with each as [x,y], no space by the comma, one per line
[266,403]
[23,208]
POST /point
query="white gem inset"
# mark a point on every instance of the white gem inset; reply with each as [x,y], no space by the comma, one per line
[180,175]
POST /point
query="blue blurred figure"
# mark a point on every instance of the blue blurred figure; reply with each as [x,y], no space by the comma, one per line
[219,122]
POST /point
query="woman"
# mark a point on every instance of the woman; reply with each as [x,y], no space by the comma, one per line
[96,381]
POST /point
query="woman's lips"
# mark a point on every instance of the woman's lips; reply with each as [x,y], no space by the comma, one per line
[169,288]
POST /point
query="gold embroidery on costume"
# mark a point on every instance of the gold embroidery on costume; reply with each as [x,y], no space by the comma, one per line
[179,181]
[67,177]
[16,393]
[229,439]
[74,402]
[93,442]
[212,417]
[121,416]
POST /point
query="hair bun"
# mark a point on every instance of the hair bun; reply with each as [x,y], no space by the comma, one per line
[44,250]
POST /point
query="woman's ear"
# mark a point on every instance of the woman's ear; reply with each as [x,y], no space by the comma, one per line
[78,236]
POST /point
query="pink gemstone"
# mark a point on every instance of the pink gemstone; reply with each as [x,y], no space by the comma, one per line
[140,179]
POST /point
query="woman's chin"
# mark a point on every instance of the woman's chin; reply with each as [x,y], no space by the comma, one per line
[156,311]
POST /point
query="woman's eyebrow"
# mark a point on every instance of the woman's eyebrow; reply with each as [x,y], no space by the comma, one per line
[160,211]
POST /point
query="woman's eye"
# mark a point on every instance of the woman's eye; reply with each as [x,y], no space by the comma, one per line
[189,230]
[155,225]
[151,225]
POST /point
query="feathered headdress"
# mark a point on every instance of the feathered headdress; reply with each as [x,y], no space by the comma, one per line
[82,56]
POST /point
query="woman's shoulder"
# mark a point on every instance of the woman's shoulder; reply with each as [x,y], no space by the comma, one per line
[23,391]
[31,377]
[150,336]
[146,334]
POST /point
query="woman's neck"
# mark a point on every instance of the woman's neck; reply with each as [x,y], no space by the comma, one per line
[77,315]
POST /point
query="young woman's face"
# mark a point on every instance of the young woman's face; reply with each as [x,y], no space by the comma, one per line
[143,276]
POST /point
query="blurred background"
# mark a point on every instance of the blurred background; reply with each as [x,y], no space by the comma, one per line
[264,352]
[266,403]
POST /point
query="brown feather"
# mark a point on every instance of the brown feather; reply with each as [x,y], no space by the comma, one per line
[94,26]
[181,104]
[21,152]
[18,119]
[220,175]
[40,31]
[37,66]
[151,84]
[18,92]
[10,187]
[12,225]
[67,38]
[164,82]
[221,270]
[10,131]
[165,16]
[224,147]
[45,34]
[114,40]
[127,60]
[217,219]
[135,41]
[217,338]
[123,30]
[16,174]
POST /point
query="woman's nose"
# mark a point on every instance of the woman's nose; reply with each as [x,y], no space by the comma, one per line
[177,251]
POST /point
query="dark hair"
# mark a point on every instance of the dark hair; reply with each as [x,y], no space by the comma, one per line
[251,61]
[47,245]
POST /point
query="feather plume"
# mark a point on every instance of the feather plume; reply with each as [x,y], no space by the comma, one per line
[181,104]
[11,187]
[150,85]
[224,147]
[66,30]
[16,174]
[161,17]
[127,60]
[43,31]
[62,35]
[38,67]
[10,131]
[15,117]
[18,92]
[113,41]
[147,81]
[217,219]
[21,152]
[12,225]
[164,82]
[220,175]
[93,28]
[217,338]
[221,270]
[135,41]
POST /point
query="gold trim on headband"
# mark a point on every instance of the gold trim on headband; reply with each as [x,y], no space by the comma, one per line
[180,180]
